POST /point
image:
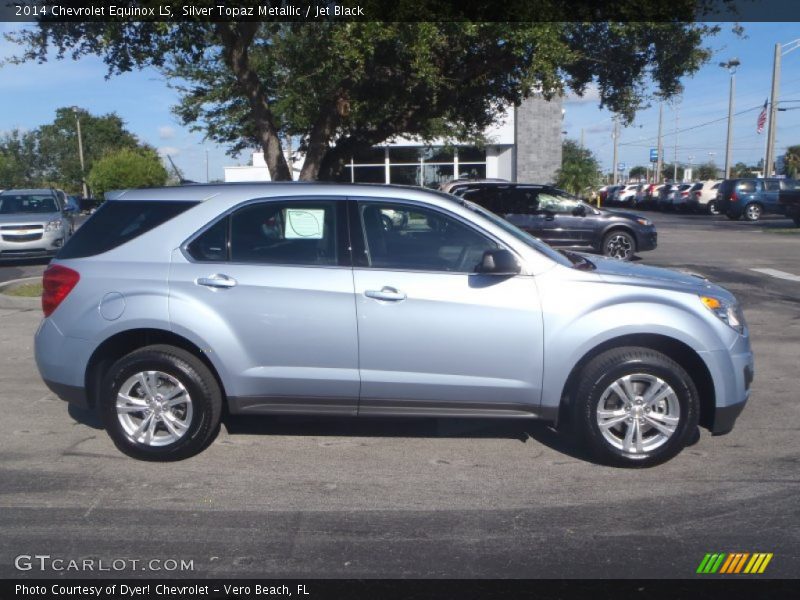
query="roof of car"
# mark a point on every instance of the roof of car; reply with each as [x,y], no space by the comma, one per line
[202,192]
[28,191]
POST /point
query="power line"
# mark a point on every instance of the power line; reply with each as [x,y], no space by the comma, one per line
[675,132]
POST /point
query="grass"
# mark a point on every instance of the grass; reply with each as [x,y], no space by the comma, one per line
[25,290]
[784,230]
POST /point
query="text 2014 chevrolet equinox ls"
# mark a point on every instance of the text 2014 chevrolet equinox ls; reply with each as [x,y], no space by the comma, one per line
[375,300]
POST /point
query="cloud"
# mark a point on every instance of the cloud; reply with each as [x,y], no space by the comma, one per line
[165,132]
[590,95]
[168,150]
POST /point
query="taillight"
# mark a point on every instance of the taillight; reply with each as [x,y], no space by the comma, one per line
[697,195]
[734,197]
[57,283]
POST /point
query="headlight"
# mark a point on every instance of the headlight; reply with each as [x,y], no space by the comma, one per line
[729,313]
[645,222]
[54,225]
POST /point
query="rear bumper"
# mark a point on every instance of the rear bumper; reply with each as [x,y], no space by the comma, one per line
[62,362]
[70,393]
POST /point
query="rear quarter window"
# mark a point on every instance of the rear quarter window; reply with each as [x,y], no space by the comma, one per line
[117,222]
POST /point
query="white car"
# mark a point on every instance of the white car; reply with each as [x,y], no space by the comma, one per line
[627,195]
[703,196]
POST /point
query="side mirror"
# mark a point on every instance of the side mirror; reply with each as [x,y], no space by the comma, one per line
[68,209]
[579,211]
[498,262]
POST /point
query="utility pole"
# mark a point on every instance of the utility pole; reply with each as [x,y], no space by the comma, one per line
[773,112]
[206,165]
[731,66]
[659,149]
[616,139]
[582,137]
[80,153]
[675,156]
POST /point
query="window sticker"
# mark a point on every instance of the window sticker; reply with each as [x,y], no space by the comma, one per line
[304,223]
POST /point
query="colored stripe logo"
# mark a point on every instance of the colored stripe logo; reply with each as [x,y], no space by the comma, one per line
[734,563]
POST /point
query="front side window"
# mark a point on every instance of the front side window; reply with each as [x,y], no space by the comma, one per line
[407,237]
[561,205]
[292,233]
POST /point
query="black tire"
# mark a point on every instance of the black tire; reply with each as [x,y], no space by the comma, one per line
[192,373]
[619,244]
[752,212]
[713,207]
[608,367]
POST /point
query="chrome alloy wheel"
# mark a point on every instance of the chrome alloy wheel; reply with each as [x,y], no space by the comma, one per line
[638,413]
[619,246]
[154,408]
[752,212]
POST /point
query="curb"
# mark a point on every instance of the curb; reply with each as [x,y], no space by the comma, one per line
[17,303]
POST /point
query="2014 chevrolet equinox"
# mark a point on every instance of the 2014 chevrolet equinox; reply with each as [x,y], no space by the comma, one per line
[375,300]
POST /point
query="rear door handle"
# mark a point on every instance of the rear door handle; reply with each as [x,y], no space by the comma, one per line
[386,293]
[218,280]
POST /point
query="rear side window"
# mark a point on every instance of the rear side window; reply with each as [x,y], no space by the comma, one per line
[289,233]
[117,222]
[746,186]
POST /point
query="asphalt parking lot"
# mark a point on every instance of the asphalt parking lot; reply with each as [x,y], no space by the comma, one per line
[306,497]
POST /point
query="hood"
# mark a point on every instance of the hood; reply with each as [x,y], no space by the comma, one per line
[621,214]
[29,218]
[626,273]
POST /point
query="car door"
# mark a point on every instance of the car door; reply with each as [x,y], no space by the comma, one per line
[434,335]
[566,223]
[269,290]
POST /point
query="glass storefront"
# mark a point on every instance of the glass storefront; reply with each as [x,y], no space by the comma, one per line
[416,165]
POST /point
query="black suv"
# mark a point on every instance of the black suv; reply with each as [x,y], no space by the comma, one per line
[561,219]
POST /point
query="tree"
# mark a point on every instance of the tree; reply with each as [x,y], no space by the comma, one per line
[791,162]
[127,168]
[706,171]
[740,169]
[668,172]
[48,156]
[638,172]
[338,87]
[579,168]
[57,143]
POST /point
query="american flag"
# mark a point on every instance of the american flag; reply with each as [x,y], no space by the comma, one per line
[762,118]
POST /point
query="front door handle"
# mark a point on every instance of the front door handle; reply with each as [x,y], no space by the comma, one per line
[386,293]
[216,281]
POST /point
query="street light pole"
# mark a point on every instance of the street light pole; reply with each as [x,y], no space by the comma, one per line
[659,149]
[731,66]
[80,153]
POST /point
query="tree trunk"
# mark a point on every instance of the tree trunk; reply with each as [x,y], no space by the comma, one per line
[236,39]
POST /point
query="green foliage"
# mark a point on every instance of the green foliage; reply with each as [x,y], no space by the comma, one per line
[579,169]
[48,156]
[127,168]
[791,162]
[638,172]
[740,169]
[341,86]
[668,172]
[706,172]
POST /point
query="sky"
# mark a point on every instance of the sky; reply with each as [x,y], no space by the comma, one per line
[31,93]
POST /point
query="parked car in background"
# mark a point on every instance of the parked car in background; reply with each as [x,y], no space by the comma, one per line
[611,193]
[627,195]
[751,198]
[789,200]
[703,196]
[680,196]
[665,196]
[33,223]
[650,201]
[155,316]
[455,184]
[560,219]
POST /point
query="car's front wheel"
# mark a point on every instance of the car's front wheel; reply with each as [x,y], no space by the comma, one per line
[635,407]
[160,403]
[619,244]
[713,207]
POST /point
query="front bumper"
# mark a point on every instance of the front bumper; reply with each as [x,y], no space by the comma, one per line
[47,244]
[732,372]
[646,240]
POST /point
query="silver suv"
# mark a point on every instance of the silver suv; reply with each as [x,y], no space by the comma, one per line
[33,223]
[303,298]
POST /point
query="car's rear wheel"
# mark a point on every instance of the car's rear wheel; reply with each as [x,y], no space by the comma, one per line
[160,403]
[635,407]
[752,212]
[713,207]
[619,244]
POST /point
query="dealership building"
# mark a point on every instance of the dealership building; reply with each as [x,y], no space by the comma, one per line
[524,145]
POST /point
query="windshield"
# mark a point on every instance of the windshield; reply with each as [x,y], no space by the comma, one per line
[524,237]
[27,204]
